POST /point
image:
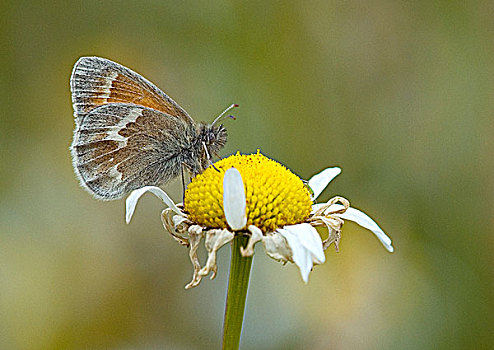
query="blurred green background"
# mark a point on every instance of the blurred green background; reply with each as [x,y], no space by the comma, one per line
[397,93]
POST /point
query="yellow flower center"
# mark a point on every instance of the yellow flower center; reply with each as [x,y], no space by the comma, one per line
[275,196]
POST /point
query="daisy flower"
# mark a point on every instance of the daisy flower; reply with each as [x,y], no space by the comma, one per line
[254,196]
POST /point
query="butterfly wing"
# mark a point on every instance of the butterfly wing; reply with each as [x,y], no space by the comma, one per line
[96,81]
[120,147]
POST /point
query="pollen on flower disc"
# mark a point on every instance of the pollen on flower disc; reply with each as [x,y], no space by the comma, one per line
[275,196]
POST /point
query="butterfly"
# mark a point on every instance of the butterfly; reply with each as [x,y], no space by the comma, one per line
[130,134]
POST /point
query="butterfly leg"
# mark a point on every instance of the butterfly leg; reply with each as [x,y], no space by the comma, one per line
[209,157]
[183,182]
[217,155]
[215,168]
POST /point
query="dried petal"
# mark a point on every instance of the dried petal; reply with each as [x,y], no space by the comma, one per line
[256,236]
[277,247]
[215,239]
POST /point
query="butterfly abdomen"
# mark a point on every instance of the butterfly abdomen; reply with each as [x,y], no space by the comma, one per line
[119,147]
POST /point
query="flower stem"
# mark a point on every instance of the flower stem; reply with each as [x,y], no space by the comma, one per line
[237,292]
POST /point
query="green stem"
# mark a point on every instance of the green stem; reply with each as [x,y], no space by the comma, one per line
[237,292]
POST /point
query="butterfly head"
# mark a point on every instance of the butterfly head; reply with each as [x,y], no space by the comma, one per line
[213,137]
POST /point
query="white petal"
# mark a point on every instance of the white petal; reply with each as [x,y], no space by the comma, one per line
[310,239]
[234,204]
[131,202]
[364,220]
[319,181]
[306,246]
[300,254]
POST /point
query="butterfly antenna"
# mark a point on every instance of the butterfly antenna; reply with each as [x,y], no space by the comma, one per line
[221,116]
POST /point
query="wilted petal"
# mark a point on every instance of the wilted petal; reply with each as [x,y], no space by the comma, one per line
[131,202]
[277,247]
[319,181]
[256,236]
[215,239]
[195,234]
[316,207]
[176,228]
[365,221]
[234,203]
[178,220]
[306,246]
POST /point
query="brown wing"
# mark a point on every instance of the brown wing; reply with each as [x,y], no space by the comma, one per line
[96,81]
[122,147]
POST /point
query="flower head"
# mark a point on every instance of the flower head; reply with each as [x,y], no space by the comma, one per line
[256,196]
[271,195]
